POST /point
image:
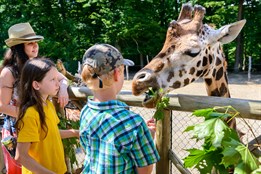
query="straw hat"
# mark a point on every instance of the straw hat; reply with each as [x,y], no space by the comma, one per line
[21,33]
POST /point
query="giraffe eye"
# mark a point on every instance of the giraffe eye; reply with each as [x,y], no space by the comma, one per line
[192,53]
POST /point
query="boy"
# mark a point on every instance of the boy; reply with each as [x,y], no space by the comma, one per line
[115,139]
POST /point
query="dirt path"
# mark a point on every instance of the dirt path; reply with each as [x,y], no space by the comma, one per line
[239,86]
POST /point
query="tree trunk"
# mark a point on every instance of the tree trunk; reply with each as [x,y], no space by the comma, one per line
[239,40]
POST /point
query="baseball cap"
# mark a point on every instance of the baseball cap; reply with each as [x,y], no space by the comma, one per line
[104,58]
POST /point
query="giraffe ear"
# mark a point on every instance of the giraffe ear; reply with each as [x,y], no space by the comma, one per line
[229,32]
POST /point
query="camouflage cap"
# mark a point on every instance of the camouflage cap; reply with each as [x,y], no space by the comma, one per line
[104,58]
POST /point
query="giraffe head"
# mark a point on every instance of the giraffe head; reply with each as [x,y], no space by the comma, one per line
[191,50]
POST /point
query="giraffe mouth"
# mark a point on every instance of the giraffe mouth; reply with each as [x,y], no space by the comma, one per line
[151,98]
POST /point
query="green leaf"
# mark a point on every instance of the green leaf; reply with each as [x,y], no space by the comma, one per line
[212,129]
[230,155]
[203,112]
[219,115]
[242,168]
[257,171]
[204,160]
[158,115]
[189,128]
[249,160]
[161,104]
[194,157]
[222,148]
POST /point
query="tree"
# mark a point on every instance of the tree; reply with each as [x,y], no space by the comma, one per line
[239,48]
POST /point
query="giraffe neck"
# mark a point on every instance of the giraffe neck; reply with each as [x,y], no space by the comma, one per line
[215,71]
[216,79]
[217,88]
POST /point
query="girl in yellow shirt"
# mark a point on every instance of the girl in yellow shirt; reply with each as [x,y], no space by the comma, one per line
[39,144]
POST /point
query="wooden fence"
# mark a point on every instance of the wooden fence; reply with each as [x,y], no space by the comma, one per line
[250,109]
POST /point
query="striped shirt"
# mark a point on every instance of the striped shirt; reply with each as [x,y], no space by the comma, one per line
[115,139]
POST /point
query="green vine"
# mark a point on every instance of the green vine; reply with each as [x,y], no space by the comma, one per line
[222,150]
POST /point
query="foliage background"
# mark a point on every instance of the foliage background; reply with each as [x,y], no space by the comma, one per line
[136,27]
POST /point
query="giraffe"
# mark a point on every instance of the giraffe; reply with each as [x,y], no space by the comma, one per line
[191,50]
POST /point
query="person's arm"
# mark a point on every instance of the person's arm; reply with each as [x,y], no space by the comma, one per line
[144,146]
[69,133]
[22,157]
[145,170]
[152,127]
[63,96]
[6,92]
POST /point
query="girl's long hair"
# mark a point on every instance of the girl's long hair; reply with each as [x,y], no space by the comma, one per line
[15,58]
[34,70]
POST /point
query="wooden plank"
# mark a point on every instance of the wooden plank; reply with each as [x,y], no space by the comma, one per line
[163,143]
[178,163]
[248,108]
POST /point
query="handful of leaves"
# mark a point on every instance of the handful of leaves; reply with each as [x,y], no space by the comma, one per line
[222,148]
[161,103]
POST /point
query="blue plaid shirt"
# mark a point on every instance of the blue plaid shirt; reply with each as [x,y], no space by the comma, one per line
[115,139]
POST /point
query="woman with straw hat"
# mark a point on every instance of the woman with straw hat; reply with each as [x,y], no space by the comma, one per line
[23,44]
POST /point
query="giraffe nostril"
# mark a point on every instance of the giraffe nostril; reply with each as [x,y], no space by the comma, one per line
[143,76]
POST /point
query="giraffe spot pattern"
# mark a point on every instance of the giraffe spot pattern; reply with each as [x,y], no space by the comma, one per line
[214,92]
[170,76]
[210,58]
[159,67]
[218,61]
[220,73]
[192,70]
[205,61]
[176,85]
[223,89]
[208,81]
[161,55]
[205,72]
[186,81]
[214,73]
[180,73]
[198,63]
[199,73]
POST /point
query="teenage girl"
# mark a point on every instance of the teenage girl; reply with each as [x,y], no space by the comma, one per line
[39,144]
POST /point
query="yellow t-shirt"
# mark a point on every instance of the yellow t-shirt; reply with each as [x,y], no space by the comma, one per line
[46,151]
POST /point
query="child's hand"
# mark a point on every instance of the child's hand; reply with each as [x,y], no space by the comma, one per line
[151,123]
[63,97]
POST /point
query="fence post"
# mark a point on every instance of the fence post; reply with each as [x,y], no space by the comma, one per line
[163,143]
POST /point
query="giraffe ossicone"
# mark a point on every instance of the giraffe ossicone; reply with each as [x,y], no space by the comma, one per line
[191,50]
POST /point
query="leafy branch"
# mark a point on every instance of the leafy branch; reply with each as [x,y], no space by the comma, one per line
[222,150]
[161,104]
[69,144]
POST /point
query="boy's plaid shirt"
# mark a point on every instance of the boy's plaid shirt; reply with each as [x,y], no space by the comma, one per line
[115,139]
